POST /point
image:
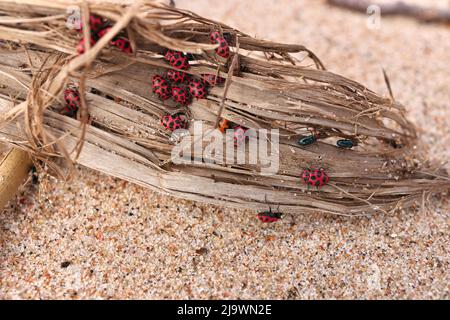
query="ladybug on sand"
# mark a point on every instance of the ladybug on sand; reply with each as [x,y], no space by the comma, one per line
[73,101]
[161,87]
[181,96]
[269,216]
[179,60]
[197,88]
[174,122]
[315,177]
[177,76]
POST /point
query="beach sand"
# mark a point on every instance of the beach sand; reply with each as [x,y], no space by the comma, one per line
[101,237]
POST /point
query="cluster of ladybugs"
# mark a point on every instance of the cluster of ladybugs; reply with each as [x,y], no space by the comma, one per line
[99,27]
[181,87]
[223,49]
[178,85]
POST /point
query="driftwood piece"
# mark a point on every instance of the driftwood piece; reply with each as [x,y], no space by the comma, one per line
[397,8]
[271,91]
[129,154]
[14,168]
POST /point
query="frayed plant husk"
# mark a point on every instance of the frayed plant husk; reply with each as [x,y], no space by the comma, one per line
[268,86]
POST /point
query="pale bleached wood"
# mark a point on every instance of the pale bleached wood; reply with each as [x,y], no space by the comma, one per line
[125,139]
[14,169]
[102,155]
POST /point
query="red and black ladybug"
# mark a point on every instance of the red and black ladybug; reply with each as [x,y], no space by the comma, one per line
[198,88]
[224,49]
[81,48]
[212,79]
[315,177]
[73,101]
[104,31]
[239,135]
[214,36]
[161,87]
[174,122]
[181,96]
[123,44]
[179,60]
[269,216]
[95,23]
[177,76]
[168,54]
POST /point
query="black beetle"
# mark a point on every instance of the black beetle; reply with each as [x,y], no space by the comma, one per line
[345,143]
[307,140]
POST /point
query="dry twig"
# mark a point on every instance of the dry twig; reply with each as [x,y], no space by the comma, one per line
[401,8]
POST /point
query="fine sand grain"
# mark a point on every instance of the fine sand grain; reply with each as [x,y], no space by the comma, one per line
[100,237]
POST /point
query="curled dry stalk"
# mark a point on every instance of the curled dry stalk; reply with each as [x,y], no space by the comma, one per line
[397,8]
[118,131]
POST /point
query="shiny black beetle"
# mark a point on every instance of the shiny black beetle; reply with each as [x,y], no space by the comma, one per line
[345,143]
